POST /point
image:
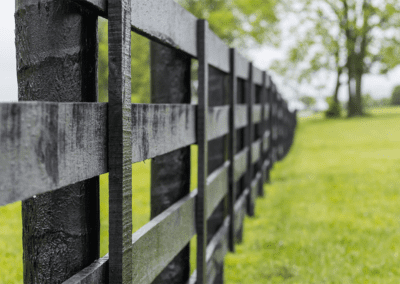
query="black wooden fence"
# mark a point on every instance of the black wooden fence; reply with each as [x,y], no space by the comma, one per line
[51,153]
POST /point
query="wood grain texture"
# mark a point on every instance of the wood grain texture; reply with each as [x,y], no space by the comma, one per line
[240,164]
[77,133]
[160,240]
[161,128]
[241,117]
[167,22]
[240,212]
[119,143]
[218,122]
[97,273]
[56,52]
[202,141]
[257,113]
[255,151]
[232,147]
[46,146]
[217,187]
[170,173]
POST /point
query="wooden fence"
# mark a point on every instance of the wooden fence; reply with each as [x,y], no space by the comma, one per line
[53,151]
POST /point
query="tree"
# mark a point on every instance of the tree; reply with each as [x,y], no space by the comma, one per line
[308,101]
[240,23]
[354,37]
[395,99]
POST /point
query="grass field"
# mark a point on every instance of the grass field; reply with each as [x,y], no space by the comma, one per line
[331,213]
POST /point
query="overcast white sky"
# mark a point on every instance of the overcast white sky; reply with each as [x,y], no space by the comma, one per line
[8,77]
[377,86]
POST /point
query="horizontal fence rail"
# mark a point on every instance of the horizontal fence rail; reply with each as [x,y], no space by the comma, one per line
[241,129]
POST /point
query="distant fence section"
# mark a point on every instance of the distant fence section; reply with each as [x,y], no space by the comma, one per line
[57,140]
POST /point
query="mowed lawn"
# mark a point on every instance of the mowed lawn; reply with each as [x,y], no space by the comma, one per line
[330,215]
[332,211]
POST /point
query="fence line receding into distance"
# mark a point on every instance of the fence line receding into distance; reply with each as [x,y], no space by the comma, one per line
[55,144]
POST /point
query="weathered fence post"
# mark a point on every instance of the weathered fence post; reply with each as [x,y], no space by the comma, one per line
[274,124]
[120,142]
[269,128]
[261,131]
[217,154]
[232,147]
[202,113]
[249,139]
[56,43]
[170,173]
[240,145]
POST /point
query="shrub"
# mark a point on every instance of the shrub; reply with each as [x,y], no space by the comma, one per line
[334,110]
[396,96]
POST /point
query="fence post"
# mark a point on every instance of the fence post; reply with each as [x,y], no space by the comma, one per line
[217,153]
[269,127]
[56,45]
[120,142]
[274,134]
[232,147]
[249,139]
[170,173]
[262,129]
[202,112]
[240,145]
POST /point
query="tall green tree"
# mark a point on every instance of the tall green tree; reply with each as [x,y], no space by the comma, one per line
[355,37]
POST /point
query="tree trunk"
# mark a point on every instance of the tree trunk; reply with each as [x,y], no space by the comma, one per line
[336,93]
[358,98]
[351,107]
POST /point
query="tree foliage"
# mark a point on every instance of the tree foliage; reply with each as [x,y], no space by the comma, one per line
[239,23]
[334,108]
[395,99]
[353,37]
[308,101]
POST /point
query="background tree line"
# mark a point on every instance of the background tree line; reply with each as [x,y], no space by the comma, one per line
[348,37]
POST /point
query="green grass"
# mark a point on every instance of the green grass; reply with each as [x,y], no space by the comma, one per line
[331,213]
